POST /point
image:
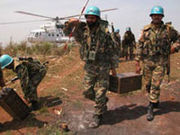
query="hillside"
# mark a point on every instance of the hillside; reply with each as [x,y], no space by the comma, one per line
[62,102]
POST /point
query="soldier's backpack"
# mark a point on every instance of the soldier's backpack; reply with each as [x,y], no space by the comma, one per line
[33,66]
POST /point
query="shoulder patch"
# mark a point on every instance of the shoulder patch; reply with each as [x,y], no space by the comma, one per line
[147,27]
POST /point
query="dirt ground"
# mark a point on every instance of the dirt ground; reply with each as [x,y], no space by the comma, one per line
[62,102]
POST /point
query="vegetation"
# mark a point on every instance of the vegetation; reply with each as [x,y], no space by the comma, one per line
[43,48]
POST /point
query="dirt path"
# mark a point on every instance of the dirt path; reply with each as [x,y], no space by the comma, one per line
[126,114]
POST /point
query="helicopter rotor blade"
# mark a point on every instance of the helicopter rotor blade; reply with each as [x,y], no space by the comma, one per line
[17,22]
[32,14]
[67,17]
[105,10]
[59,18]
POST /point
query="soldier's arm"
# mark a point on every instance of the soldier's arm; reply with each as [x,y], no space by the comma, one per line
[175,40]
[2,83]
[134,42]
[139,50]
[76,28]
[22,73]
[139,54]
[113,50]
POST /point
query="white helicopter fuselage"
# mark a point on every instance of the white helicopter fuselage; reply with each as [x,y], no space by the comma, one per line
[48,33]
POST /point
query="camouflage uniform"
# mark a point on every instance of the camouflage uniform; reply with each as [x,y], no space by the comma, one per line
[153,49]
[104,25]
[128,44]
[30,73]
[117,40]
[100,55]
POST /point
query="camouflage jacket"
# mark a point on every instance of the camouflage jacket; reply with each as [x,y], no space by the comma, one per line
[26,70]
[116,37]
[128,39]
[155,43]
[97,46]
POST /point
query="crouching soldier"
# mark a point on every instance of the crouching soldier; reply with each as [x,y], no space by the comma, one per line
[29,71]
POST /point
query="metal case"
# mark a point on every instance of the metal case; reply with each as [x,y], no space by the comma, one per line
[13,104]
[125,82]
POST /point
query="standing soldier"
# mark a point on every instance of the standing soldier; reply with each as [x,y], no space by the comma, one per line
[117,39]
[154,46]
[99,54]
[29,71]
[128,43]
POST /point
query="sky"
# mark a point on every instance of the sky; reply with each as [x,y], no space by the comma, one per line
[130,13]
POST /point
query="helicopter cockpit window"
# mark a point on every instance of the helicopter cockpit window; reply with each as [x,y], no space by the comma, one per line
[61,33]
[59,26]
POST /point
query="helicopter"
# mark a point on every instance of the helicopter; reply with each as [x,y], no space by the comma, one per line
[52,31]
[49,32]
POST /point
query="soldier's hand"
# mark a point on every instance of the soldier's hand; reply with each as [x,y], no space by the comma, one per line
[138,68]
[114,73]
[73,21]
[175,48]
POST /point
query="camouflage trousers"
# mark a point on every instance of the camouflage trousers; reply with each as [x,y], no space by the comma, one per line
[97,82]
[131,55]
[30,91]
[153,76]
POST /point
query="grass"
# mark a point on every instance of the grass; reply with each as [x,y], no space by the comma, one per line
[41,48]
[52,129]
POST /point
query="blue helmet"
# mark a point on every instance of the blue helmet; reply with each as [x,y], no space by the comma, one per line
[157,10]
[117,30]
[128,29]
[92,10]
[5,60]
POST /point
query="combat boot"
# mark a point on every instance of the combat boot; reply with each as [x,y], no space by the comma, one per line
[35,105]
[150,115]
[96,121]
[89,95]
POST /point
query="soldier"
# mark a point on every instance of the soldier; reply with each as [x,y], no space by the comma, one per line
[128,44]
[100,56]
[117,39]
[153,49]
[30,72]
